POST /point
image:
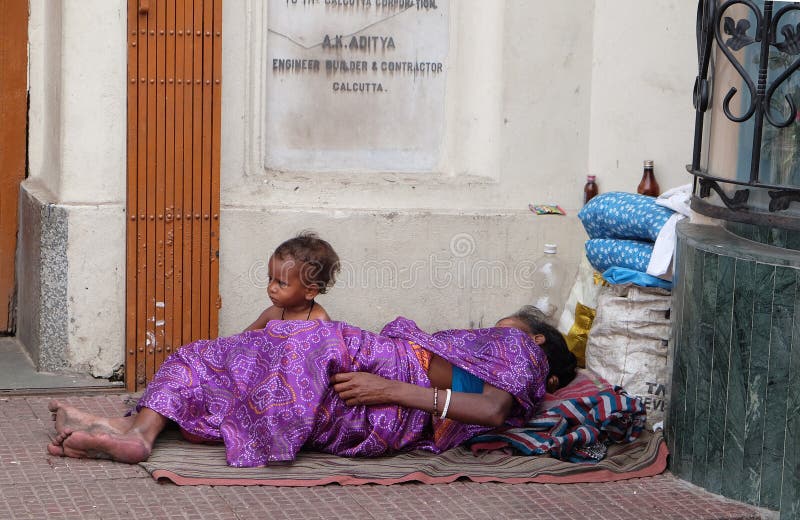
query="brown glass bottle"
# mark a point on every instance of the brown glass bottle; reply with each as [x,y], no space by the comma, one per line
[648,185]
[589,189]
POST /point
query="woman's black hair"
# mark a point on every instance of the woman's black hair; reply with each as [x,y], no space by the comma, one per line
[563,363]
[319,263]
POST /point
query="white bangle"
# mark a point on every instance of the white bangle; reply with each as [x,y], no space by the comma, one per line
[446,404]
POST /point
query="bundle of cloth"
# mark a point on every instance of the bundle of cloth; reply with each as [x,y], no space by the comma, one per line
[577,423]
[632,236]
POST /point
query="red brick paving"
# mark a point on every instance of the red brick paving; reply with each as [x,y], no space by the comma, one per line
[34,485]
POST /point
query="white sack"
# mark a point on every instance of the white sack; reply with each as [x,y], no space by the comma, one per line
[628,344]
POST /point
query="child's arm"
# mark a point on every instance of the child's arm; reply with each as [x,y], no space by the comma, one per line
[271,313]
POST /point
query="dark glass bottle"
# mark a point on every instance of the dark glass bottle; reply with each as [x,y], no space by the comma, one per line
[648,185]
[589,189]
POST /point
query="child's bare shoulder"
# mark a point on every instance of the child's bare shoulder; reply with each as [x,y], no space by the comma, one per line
[269,314]
[319,313]
[272,313]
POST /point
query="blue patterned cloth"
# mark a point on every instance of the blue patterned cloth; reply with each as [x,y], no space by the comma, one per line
[623,215]
[605,253]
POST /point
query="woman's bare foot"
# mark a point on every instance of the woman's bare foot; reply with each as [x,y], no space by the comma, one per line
[129,447]
[70,418]
[55,447]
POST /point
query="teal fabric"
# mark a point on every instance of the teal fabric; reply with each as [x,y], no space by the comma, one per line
[463,381]
[621,275]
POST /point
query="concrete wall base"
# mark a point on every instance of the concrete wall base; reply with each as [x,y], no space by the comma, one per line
[41,272]
[71,291]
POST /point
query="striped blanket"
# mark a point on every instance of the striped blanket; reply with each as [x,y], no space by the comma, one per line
[576,426]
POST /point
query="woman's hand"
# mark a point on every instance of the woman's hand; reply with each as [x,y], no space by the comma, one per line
[363,388]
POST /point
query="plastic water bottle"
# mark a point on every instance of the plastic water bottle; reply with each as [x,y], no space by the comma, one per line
[549,278]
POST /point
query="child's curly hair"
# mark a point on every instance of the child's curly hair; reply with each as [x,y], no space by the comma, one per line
[318,262]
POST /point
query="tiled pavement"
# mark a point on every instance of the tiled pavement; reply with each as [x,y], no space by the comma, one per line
[37,486]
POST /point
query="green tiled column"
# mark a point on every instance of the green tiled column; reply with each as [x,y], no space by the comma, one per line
[734,421]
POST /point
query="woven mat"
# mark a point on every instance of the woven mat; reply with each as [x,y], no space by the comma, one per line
[197,464]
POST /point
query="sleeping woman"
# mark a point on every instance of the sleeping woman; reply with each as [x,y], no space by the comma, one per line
[335,388]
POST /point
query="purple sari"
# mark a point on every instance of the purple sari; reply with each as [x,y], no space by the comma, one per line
[266,394]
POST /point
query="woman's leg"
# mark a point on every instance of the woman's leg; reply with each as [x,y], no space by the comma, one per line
[131,446]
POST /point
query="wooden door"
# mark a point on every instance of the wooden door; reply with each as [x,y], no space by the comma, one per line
[174,84]
[13,132]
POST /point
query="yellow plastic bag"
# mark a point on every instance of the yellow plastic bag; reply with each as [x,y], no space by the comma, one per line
[578,334]
[579,310]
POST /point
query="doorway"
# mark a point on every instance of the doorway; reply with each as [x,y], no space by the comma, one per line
[13,146]
[18,373]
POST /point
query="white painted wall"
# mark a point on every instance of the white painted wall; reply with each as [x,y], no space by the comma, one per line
[78,99]
[442,269]
[547,92]
[565,89]
[643,70]
[77,155]
[96,288]
[44,83]
[93,102]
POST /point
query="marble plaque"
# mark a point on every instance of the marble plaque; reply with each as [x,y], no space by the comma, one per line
[356,85]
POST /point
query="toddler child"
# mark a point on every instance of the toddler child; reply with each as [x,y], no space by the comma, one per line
[299,270]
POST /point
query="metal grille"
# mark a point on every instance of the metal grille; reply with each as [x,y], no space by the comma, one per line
[758,44]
